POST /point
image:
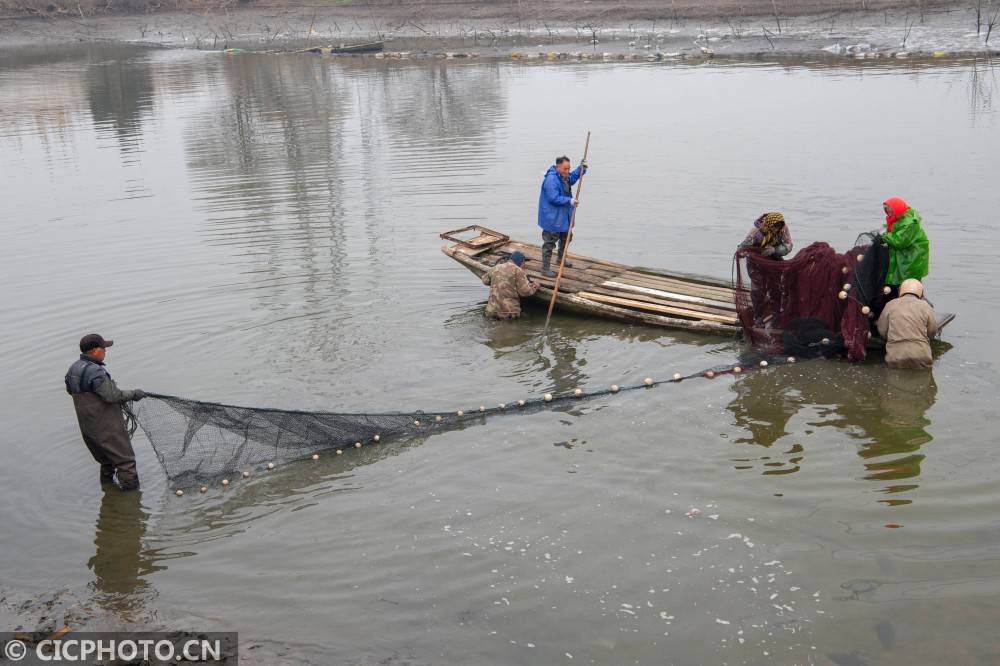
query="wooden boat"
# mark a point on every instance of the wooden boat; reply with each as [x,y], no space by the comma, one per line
[606,289]
[615,291]
[368,47]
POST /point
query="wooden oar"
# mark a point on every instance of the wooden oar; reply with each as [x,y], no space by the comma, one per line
[569,235]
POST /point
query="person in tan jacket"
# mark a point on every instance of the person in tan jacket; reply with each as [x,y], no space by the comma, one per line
[908,324]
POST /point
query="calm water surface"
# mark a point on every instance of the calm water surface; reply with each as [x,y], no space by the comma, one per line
[263,230]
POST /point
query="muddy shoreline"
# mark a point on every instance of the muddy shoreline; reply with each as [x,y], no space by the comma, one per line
[631,31]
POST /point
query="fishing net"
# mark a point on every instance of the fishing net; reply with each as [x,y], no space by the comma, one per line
[819,303]
[203,442]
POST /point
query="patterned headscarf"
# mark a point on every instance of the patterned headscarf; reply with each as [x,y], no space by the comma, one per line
[771,226]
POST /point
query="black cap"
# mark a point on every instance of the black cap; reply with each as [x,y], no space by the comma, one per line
[93,341]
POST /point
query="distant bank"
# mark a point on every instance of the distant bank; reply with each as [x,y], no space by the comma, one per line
[640,29]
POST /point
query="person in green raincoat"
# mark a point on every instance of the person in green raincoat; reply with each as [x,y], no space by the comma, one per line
[909,249]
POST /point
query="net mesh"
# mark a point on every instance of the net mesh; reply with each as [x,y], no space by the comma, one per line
[202,442]
[784,305]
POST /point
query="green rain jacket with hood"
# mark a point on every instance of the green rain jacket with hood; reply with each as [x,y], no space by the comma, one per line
[909,249]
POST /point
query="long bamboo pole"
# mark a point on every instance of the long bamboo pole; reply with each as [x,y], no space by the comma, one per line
[569,235]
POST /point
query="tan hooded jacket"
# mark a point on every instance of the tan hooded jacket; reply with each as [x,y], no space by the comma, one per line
[908,324]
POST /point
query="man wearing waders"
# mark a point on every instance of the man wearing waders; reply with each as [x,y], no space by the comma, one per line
[908,323]
[98,402]
[508,285]
[555,206]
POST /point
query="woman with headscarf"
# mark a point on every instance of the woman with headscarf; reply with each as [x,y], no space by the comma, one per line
[909,249]
[771,236]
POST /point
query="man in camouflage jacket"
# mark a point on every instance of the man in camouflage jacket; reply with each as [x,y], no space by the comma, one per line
[508,284]
[98,402]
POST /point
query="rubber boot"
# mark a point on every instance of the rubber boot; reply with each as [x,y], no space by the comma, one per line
[562,251]
[546,261]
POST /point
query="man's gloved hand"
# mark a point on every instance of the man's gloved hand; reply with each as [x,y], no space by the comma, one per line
[583,166]
[768,251]
[138,394]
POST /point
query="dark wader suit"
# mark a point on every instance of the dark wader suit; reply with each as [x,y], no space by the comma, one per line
[98,402]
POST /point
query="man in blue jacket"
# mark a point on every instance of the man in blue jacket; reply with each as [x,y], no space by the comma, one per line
[555,206]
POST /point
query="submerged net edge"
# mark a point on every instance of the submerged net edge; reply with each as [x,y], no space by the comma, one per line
[204,442]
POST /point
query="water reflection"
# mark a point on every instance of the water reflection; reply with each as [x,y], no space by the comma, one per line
[562,364]
[982,84]
[560,354]
[883,409]
[894,454]
[113,83]
[119,93]
[121,562]
[293,124]
[553,354]
[297,485]
[302,169]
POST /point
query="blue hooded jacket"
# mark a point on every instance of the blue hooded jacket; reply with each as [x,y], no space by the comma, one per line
[554,204]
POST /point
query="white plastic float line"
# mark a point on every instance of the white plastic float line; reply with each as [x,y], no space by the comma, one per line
[886,290]
[577,393]
[844,295]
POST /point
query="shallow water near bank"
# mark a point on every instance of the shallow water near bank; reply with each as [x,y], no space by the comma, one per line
[263,231]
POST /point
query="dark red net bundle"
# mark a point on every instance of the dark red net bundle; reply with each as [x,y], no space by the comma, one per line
[795,306]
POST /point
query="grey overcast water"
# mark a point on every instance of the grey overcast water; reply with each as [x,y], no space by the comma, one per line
[263,230]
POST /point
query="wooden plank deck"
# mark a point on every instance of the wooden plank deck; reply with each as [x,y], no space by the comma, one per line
[614,291]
